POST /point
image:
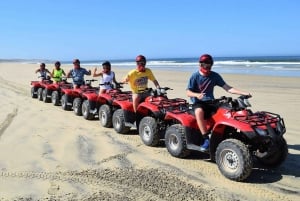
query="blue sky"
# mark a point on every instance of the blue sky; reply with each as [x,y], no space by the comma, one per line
[117,29]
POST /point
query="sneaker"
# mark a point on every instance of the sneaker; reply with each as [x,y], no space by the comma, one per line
[205,145]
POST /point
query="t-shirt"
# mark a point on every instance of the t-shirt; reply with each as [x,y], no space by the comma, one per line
[78,75]
[105,79]
[204,84]
[57,74]
[138,81]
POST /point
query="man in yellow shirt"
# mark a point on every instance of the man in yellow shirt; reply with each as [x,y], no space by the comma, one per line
[138,81]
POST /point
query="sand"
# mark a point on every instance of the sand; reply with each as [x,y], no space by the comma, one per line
[47,153]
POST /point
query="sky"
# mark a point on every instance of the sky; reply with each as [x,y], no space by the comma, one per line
[122,29]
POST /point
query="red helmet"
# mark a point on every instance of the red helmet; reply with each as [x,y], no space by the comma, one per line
[206,58]
[140,58]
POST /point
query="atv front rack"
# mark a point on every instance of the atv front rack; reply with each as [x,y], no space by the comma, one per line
[263,118]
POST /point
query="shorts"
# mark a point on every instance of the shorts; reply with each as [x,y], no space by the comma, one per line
[207,108]
[142,96]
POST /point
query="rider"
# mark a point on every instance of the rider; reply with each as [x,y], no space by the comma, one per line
[43,72]
[107,76]
[200,89]
[57,72]
[77,73]
[138,81]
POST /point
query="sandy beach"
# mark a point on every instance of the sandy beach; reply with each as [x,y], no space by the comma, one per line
[47,153]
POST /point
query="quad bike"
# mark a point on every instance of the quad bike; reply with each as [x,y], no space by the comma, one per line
[38,86]
[153,110]
[101,104]
[52,92]
[238,136]
[72,98]
[125,118]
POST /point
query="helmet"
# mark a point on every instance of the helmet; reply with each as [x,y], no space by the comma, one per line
[76,61]
[42,65]
[140,58]
[106,63]
[57,63]
[206,58]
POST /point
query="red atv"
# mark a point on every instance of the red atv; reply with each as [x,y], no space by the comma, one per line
[52,92]
[238,136]
[125,118]
[152,113]
[38,86]
[72,98]
[101,104]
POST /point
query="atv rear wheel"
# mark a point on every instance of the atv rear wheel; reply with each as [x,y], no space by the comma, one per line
[64,102]
[119,122]
[77,104]
[86,110]
[234,159]
[33,92]
[175,140]
[278,156]
[40,94]
[105,116]
[148,131]
[55,98]
[45,96]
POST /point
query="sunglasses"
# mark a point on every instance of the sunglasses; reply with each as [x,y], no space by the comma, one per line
[206,65]
[141,62]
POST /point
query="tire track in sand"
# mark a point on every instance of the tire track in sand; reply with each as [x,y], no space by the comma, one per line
[9,118]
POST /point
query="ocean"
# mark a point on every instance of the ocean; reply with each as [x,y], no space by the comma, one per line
[288,66]
[267,65]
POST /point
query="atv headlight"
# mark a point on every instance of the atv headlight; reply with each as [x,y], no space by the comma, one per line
[261,131]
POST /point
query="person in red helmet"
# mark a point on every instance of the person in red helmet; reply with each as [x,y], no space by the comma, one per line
[201,88]
[77,74]
[138,81]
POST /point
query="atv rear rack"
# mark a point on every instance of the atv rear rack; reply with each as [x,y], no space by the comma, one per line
[176,105]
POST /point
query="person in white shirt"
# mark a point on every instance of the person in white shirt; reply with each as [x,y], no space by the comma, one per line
[107,77]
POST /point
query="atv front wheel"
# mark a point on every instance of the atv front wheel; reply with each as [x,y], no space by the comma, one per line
[45,96]
[234,159]
[64,102]
[77,104]
[105,116]
[86,110]
[119,122]
[55,98]
[40,94]
[33,92]
[148,131]
[175,140]
[278,156]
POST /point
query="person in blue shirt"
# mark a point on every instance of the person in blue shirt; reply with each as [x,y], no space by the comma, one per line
[201,88]
[77,74]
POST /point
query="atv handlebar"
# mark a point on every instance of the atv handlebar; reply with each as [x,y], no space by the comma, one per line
[118,85]
[239,103]
[161,91]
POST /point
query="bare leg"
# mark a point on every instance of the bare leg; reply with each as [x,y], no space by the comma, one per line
[102,91]
[201,122]
[135,101]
